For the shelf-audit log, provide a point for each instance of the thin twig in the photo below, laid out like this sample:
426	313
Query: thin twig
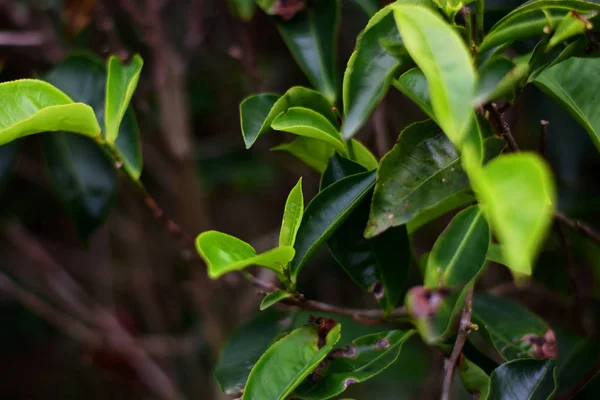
579	226
543	136
464	328
502	128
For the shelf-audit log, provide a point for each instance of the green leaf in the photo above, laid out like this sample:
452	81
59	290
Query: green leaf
243	349
292	216
572	25
243	9
577	96
274	298
311	38
451	7
30	106
363	359
121	82
83	176
475	380
370	7
258	112
590	390
413	84
522	379
441	54
490	74
361	154
223	253
312	152
305	122
83	78
530	19
287	362
325	213
421	176
518	195
509	325
459	252
506	86
578	358
379	265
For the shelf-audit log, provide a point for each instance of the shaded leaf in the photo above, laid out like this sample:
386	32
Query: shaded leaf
518	195
223	253
326	212
413	84
475	380
577	358
363	359
83	176
590	390
441	54
312	152
30	106
121	82
310	36
509	325
274	298
577	96
459	252
292	216
243	349
451	7
288	362
522	379
421	176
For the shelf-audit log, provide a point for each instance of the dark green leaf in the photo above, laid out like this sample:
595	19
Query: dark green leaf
311	37
577	358
578	96
243	349
258	112
511	327
326	212
413	84
83	176
421	173
490	74
364	358
288	362
83	78
590	390
30	106
274	298
522	379
459	252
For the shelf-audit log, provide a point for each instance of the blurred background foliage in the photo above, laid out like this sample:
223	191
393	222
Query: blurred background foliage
202	57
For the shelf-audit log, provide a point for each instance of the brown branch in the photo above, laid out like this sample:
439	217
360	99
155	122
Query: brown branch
501	126
579	226
464	328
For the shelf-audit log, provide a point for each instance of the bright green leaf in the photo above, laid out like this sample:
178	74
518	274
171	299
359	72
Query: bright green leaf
305	122
459	252
421	176
287	362
577	96
518	195
362	155
292	216
361	360
326	212
243	349
413	84
274	298
121	82
441	54
522	379
30	106
311	38
312	152
224	253
475	380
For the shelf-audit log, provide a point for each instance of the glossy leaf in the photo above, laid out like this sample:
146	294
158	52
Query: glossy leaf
258	112
577	96
305	122
243	349
371	68
121	82
292	216
509	325
459	252
287	362
312	152
83	176
475	380
522	379
413	84
379	265
441	54
530	19
421	174
223	253
83	78
518	196
577	357
30	106
274	298
363	359
326	212
311	38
